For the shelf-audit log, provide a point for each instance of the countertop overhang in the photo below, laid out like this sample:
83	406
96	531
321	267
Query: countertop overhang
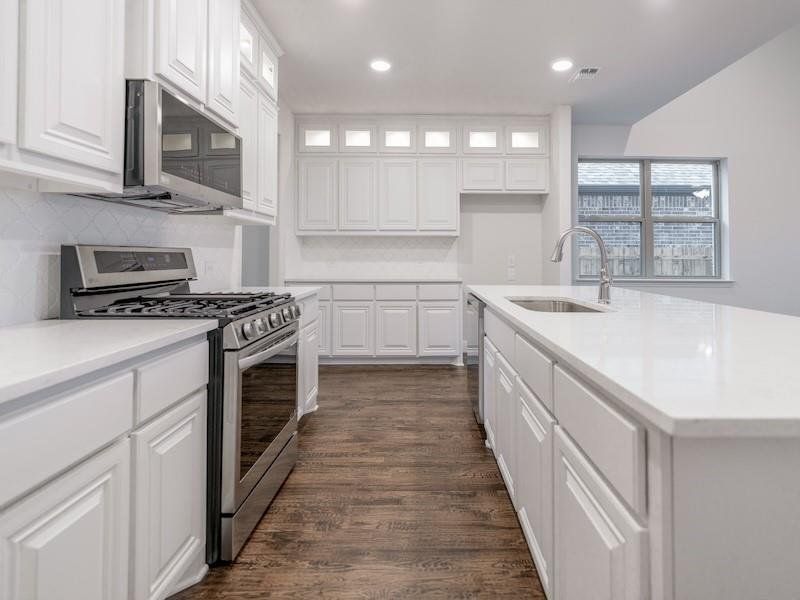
689	368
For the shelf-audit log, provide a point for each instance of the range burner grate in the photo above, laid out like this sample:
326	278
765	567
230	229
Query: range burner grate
216	305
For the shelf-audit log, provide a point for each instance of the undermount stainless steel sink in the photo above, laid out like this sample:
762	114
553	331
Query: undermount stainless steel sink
553	305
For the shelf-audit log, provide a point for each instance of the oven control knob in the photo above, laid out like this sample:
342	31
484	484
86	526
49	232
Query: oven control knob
274	319
248	331
295	311
287	315
261	326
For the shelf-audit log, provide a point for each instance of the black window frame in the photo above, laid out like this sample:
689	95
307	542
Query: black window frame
647	221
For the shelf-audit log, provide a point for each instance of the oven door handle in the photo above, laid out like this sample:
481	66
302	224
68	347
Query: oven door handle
249	361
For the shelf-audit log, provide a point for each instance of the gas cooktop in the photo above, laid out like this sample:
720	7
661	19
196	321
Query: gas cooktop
214	305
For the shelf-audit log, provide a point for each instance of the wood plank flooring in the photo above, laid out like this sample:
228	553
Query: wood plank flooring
394	496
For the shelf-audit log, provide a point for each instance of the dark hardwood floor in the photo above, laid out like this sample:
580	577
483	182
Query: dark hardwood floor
394	496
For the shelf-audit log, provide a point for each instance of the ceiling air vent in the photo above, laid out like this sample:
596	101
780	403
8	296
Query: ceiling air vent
585	74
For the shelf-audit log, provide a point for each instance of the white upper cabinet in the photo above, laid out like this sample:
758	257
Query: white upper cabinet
9	20
398	194
483	139
249	108
438	137
248	44
267	158
437	199
357	137
398	138
358	193
482	174
223	59
527	174
72	84
181	45
531	138
317	193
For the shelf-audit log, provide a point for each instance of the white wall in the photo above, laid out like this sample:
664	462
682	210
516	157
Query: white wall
557	211
749	114
33	227
496	227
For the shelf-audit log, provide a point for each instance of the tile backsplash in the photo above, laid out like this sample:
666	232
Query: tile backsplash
33	227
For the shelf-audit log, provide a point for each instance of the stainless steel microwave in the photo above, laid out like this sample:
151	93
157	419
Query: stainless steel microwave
177	159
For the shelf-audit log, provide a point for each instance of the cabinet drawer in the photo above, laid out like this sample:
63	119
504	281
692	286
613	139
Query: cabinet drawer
439	291
395	291
611	440
501	334
535	369
38	443
170	378
353	292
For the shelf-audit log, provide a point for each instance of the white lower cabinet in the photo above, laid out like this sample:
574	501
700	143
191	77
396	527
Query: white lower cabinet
169	498
353	328
396	328
505	410
534	482
70	538
601	550
308	354
489	402
324	323
439	328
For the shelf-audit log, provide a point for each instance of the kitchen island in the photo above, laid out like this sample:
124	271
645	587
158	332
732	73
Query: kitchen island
650	448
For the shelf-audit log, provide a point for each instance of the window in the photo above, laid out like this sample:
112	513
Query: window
657	218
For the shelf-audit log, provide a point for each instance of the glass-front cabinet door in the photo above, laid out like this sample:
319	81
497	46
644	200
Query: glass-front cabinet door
437	138
317	136
483	139
528	138
398	138
358	137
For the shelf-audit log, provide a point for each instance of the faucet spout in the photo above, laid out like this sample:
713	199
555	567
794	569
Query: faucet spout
604	293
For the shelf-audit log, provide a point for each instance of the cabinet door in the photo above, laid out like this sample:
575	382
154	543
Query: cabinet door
482	174
9	36
71	75
223	63
308	350
600	548
248	129
396	328
324	321
483	139
267	76
248	44
505	401
437	197
438	329
437	137
534	482
398	195
267	157
489	403
70	538
530	138
317	194
169	497
181	45
358	194
527	174
353	324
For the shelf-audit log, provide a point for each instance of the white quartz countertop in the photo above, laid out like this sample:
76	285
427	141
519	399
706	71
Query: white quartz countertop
689	368
371	280
299	292
37	355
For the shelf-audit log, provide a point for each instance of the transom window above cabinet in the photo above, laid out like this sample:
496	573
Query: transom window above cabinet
357	137
482	139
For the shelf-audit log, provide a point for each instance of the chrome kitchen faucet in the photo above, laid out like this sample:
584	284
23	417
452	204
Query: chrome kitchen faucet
604	294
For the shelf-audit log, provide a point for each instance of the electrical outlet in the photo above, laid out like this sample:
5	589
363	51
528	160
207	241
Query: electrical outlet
512	260
208	267
512	274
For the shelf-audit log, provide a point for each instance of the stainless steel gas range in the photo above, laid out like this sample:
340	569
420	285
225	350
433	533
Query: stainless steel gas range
252	390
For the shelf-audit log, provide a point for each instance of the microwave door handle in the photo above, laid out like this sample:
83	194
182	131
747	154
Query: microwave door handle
249	361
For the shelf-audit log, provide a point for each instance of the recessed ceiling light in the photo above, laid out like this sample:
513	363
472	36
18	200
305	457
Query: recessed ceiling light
380	65
562	64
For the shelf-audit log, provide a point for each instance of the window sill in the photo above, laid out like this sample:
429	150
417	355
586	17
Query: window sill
622	282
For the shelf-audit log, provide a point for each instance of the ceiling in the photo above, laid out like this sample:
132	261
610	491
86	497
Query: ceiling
493	56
